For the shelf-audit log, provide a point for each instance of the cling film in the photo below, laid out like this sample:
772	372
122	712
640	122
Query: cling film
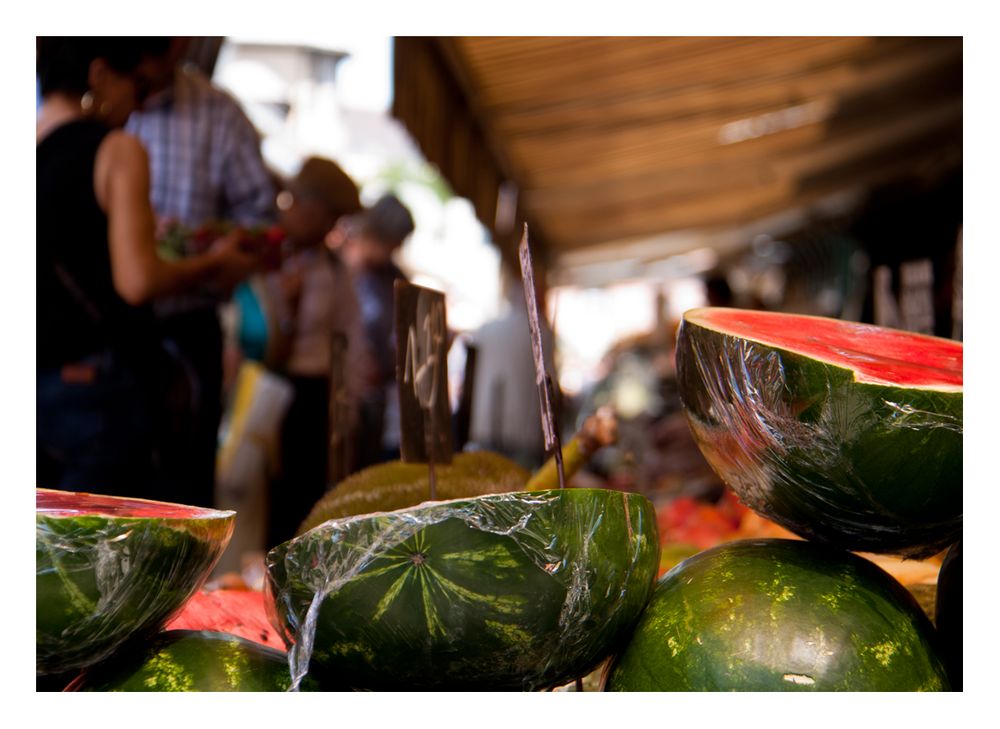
866	465
108	569
520	591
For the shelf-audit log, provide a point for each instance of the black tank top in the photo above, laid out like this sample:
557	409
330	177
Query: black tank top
79	312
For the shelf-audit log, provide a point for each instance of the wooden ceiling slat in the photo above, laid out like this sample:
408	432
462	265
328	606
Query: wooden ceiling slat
871	141
698	178
703	177
620	155
631	220
626	68
734	99
883	146
619	138
519	55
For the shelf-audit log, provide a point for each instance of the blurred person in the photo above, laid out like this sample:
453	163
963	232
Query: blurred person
205	167
505	405
717	290
371	239
316	302
98	363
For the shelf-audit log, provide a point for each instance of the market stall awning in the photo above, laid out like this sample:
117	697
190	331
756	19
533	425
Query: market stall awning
660	144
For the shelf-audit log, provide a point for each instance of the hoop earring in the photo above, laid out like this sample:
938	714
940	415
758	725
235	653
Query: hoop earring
87	101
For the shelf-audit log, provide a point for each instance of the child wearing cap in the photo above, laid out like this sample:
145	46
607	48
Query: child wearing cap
316	302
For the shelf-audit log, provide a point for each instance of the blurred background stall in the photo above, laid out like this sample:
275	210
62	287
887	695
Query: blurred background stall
815	175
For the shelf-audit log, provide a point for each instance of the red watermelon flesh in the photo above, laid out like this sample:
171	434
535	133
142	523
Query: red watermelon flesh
875	354
71	503
239	612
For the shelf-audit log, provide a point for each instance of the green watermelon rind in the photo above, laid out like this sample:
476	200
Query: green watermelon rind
190	660
866	466
513	591
102	579
779	615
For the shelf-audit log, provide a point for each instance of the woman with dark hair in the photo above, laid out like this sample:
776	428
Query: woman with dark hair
97	268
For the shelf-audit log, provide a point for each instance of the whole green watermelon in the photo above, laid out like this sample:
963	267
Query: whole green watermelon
948	613
108	568
191	660
841	432
779	615
523	590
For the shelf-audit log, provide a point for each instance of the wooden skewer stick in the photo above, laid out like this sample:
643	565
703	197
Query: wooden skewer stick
542	378
431	438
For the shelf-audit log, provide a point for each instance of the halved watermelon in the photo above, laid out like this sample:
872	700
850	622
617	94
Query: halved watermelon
524	590
779	615
190	660
108	568
842	432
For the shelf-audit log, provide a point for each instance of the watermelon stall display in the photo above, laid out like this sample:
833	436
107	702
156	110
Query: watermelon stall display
516	591
841	432
109	568
191	660
779	615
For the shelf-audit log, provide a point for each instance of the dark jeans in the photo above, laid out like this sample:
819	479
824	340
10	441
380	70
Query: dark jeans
94	435
305	443
187	431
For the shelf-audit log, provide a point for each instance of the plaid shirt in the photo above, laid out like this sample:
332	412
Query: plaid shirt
205	164
204	155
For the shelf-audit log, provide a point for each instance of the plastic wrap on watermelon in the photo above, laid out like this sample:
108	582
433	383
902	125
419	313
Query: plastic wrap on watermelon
108	569
842	432
518	591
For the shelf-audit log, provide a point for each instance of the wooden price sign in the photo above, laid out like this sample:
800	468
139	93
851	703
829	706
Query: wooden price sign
422	375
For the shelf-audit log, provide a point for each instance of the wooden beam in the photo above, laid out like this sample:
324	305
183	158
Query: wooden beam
731	99
589	226
506	240
853	145
617	158
581	68
865	143
596	225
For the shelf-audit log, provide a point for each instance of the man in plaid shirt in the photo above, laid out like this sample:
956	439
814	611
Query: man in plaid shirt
205	166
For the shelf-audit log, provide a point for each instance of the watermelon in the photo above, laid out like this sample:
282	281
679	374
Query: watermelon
108	568
841	432
779	615
524	590
948	613
190	660
240	612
